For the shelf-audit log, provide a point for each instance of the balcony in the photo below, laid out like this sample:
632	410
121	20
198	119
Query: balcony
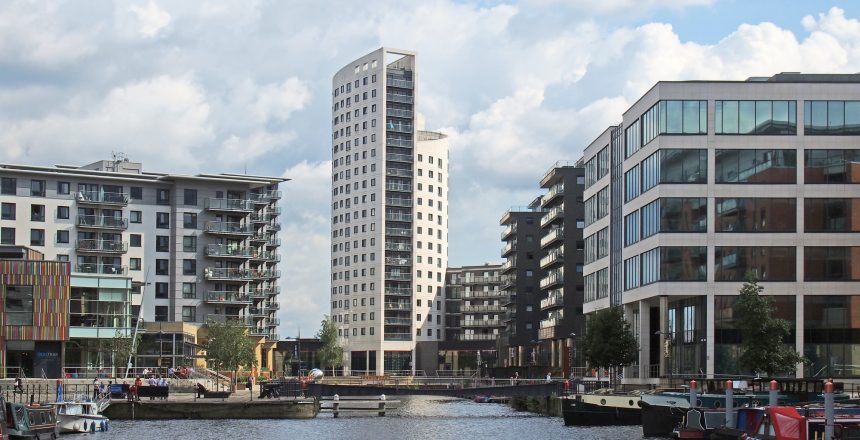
555	191
398	232
553	277
227	228
399	83
101	222
509	248
227	251
402	247
482	280
398	336
264	197
268	256
553	257
395	157
244	320
274	322
264	292
402	187
483	308
273	227
227	297
395	142
553	319
397	97
101	246
398	217
213	204
399	113
554	299
259	238
226	274
551	237
398	291
508	265
394	201
553	214
399	127
548	332
398	321
398	276
508	281
102	269
261	218
259	331
395	261
102	198
398	306
398	172
273	242
482	323
508	231
257	312
483	294
478	337
262	274
273	306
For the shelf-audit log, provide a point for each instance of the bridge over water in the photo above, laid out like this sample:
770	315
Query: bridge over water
504	388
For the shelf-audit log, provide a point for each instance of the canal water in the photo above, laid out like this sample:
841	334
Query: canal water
424	418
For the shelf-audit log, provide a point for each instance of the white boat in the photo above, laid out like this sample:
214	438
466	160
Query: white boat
79	417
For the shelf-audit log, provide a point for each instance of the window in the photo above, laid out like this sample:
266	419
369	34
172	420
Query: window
162	267
767	263
62	236
189	290
134	264
37	188
755	215
755	117
161	290
831	215
7	211
831	117
8	185
189	220
63	188
189	243
631	184
62	212
189	314
135	217
831	166
162	196
674	117
674	166
189	197
7	236
162	243
674	214
756	166
136	193
37	237
189	267
831	263
37	213
19	305
161	313
162	220
135	240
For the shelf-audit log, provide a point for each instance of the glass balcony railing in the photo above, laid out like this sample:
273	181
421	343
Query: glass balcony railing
393	201
554	256
398	336
482	323
106	246
555	298
398	291
399	127
400	83
403	247
398	172
214	204
398	187
551	215
227	296
398	276
227	251
398	232
396	97
104	269
553	277
553	192
552	236
395	157
227	228
244	320
106	198
102	222
398	217
399	113
403	143
224	273
397	306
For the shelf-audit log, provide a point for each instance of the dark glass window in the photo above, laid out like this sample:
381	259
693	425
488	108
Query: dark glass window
7	236
831	117
189	220
162	220
831	215
37	237
674	117
162	196
135	240
189	314
136	193
19	305
675	166
756	166
755	215
161	313
189	243
767	263
7	211
37	188
63	187
832	166
830	339
162	243
135	217
687	263
63	212
37	213
831	263
190	197
8	186
162	267
62	236
161	290
189	267
189	290
755	117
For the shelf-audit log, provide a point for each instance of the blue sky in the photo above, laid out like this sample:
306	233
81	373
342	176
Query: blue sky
230	85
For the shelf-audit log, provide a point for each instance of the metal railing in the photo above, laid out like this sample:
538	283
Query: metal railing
224	273
398	276
398	157
229	228
481	323
393	201
398	305
554	298
109	198
222	250
396	97
405	291
106	269
227	296
93	245
400	83
398	217
552	214
398	172
97	221
398	232
551	236
399	113
395	142
398	247
228	204
245	320
489	308
552	257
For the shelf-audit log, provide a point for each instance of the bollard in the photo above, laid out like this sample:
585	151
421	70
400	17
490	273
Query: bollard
772	393
382	405
730	404
335	406
829	410
693	398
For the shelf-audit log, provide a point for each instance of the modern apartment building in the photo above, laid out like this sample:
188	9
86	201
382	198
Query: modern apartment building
521	283
389	215
561	283
475	310
704	181
197	248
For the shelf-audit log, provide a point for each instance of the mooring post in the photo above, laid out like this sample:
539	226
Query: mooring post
773	393
335	406
382	405
693	398
829	410
730	404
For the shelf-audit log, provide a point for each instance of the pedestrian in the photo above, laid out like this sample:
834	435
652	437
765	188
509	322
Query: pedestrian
96	383
250	384
516	377
137	384
548	377
18	387
59	390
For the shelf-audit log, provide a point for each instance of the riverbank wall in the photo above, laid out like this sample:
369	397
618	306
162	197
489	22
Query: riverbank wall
544	405
201	409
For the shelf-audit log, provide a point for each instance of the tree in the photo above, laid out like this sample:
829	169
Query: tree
122	347
228	347
763	337
331	353
609	342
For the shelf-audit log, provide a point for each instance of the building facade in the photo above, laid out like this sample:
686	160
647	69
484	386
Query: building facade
520	282
196	248
389	215
705	181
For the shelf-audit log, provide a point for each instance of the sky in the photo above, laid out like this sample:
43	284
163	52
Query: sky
245	86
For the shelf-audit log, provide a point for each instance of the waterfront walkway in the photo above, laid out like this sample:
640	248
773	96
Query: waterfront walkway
504	388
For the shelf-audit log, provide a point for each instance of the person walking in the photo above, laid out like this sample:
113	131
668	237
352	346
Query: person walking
96	386
59	390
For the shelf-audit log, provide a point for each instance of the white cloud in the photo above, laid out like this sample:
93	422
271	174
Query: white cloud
151	18
278	101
